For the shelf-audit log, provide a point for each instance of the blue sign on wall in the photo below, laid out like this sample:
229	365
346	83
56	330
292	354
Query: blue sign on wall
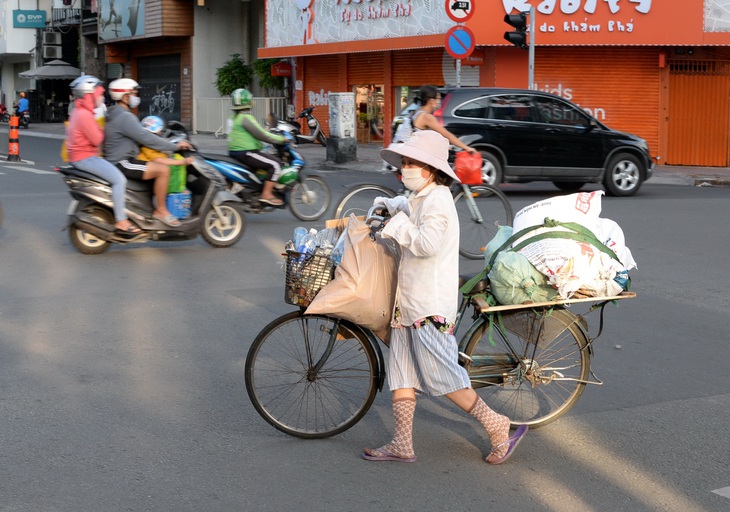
29	19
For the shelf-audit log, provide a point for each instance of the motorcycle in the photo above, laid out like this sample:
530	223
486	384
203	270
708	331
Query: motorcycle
4	113
215	214
23	117
308	197
315	130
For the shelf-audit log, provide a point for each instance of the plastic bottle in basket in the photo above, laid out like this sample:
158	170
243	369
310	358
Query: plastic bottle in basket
308	243
299	234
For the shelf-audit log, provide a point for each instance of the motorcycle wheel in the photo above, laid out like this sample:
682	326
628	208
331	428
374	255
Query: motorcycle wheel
85	242
226	229
322	139
310	198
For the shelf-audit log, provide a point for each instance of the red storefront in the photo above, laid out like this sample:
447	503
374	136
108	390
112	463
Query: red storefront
657	69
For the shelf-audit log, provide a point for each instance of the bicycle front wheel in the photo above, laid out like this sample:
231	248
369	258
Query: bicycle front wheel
480	219
310	198
529	365
359	199
287	390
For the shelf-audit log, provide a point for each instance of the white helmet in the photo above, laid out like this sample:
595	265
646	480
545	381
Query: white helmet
84	85
118	88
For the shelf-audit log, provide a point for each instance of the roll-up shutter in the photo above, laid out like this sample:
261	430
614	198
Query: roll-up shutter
619	86
699	112
320	78
418	67
365	68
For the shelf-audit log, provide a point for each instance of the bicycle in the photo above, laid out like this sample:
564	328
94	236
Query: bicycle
315	376
482	209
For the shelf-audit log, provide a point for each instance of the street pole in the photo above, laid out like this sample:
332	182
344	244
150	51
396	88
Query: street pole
458	73
531	64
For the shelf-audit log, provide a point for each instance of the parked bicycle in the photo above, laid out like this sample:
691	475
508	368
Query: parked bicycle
314	376
481	209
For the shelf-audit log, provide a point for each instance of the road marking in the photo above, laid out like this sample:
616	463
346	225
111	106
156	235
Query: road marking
28	169
724	492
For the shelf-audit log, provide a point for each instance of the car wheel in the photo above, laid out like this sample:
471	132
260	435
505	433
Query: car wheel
491	169
623	175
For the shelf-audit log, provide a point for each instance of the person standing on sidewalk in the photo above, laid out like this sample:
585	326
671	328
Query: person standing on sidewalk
423	351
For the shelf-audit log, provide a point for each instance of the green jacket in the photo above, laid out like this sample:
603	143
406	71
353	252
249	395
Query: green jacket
248	135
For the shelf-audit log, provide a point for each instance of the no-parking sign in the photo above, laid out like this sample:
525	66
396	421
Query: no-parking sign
460	42
460	10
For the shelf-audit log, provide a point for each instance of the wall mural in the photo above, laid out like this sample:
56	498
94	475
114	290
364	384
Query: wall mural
120	19
300	22
717	15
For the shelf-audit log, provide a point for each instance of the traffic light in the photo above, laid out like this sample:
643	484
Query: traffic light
518	37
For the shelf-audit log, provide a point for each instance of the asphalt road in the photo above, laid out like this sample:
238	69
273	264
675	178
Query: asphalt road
121	377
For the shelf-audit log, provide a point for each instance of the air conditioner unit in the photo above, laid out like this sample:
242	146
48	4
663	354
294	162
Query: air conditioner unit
51	38
51	52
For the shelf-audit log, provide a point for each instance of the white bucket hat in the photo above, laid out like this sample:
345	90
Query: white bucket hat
426	146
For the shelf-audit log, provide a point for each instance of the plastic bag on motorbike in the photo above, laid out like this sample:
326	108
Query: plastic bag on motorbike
363	290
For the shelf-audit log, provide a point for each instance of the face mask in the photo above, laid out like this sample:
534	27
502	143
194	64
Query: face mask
134	101
412	178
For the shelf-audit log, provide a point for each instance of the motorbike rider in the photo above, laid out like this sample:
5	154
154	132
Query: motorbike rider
23	104
123	137
245	143
84	137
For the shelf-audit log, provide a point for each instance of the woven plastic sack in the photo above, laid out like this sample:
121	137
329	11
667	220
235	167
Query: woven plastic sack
514	280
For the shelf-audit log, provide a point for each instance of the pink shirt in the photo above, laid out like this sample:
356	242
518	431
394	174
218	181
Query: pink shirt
84	135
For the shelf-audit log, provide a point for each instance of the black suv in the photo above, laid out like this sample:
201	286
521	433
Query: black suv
527	135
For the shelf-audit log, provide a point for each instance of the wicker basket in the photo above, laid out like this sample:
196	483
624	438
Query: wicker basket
306	274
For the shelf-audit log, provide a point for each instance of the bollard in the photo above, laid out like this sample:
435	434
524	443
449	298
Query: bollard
13	142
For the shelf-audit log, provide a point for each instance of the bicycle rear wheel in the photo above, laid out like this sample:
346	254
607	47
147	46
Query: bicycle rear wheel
359	199
478	223
287	393
529	365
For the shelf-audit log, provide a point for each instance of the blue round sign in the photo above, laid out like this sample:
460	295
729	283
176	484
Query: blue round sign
460	42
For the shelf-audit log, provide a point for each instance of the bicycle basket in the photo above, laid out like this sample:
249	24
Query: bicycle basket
306	274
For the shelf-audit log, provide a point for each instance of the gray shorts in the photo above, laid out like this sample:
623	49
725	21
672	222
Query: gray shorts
425	359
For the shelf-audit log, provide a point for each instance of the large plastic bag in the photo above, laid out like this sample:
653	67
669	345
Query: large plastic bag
363	290
514	280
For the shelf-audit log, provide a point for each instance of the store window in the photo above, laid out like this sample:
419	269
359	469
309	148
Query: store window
370	103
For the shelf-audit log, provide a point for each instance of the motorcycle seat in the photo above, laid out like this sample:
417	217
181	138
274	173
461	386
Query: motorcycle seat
136	185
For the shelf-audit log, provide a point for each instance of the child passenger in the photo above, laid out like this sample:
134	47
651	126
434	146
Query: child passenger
156	125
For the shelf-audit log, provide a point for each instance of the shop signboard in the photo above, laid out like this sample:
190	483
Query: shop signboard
29	19
312	27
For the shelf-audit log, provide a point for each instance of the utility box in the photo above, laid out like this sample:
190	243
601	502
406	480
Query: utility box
342	114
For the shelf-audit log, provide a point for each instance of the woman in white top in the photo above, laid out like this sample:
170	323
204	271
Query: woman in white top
423	351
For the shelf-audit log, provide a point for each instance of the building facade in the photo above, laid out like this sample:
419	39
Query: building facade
660	70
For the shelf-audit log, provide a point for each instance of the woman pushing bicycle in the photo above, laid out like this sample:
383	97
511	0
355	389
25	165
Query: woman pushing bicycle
423	350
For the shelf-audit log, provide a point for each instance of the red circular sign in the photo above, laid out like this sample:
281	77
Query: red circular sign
460	42
460	10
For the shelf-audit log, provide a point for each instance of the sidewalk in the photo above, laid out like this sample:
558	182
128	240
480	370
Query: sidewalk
368	158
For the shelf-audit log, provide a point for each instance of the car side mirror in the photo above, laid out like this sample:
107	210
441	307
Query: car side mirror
592	124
